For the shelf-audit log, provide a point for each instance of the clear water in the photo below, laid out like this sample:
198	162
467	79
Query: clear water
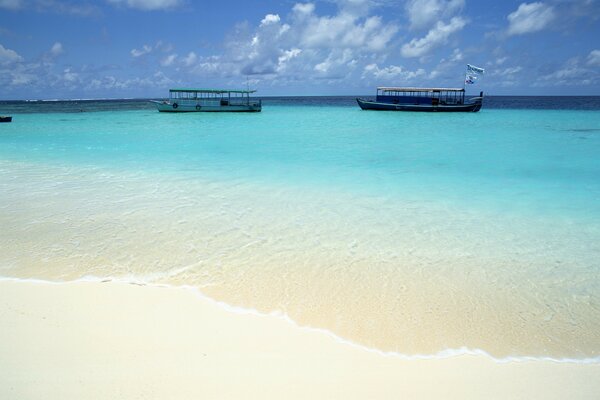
406	232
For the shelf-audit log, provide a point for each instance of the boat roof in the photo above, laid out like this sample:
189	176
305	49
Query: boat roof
416	89
189	90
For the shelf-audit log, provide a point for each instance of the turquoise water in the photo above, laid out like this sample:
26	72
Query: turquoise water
406	232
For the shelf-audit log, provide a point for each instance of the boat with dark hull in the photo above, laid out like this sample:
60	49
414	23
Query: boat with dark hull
422	99
208	100
5	119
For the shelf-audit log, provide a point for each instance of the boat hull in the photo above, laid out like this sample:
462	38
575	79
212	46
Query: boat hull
373	105
5	119
198	107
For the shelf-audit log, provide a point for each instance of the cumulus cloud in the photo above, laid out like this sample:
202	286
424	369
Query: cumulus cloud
437	36
270	19
530	17
148	5
301	9
425	13
594	58
304	45
8	56
345	30
392	72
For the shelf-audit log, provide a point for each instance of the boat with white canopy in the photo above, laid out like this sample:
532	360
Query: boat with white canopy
209	100
427	98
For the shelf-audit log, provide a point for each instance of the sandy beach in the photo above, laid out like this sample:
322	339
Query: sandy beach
106	340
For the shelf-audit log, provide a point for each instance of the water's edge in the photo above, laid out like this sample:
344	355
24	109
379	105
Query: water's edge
442	354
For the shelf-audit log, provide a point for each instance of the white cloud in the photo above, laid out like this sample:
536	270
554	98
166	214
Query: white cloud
456	56
424	13
57	49
270	19
392	72
594	58
306	46
336	63
301	9
530	17
111	83
144	50
345	30
70	76
148	5
8	56
285	57
168	60
437	36
569	72
572	73
190	59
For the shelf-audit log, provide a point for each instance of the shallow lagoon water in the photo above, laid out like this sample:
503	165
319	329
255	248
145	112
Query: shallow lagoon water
405	232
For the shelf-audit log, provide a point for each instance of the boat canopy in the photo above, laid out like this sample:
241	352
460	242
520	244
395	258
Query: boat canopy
415	89
217	91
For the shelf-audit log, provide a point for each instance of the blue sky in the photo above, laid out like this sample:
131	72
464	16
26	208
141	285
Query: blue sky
140	48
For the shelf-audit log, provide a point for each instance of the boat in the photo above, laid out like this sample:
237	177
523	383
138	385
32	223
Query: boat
427	99
422	99
5	119
209	100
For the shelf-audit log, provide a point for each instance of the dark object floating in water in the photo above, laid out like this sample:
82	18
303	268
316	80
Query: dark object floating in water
5	119
585	130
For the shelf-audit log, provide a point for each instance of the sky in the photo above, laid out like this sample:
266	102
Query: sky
51	49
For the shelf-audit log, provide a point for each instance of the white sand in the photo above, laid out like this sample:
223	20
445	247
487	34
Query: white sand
119	341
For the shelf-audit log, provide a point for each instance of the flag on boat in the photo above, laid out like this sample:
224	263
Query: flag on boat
472	74
470	79
474	70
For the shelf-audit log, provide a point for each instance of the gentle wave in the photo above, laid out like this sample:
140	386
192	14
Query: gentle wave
442	354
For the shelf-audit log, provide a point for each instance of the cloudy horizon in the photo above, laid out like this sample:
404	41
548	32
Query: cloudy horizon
140	48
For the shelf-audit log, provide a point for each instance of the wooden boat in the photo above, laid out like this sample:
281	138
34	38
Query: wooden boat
422	99
209	100
5	119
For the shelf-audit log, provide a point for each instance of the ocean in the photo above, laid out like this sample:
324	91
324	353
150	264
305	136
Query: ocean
411	233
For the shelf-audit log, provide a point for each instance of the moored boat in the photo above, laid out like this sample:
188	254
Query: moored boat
5	118
422	99
209	100
427	99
